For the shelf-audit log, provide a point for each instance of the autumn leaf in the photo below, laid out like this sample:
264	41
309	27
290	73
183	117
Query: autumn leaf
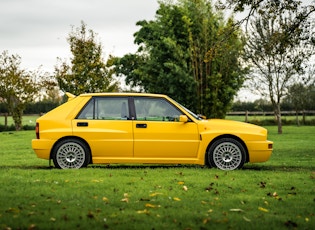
246	219
176	199
125	200
263	209
236	210
145	211
148	205
262	184
13	210
155	194
206	220
105	199
180	182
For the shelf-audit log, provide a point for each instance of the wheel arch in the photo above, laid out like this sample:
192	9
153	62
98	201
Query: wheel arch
227	136
72	137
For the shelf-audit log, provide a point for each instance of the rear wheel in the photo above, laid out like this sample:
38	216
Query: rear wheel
226	154
71	153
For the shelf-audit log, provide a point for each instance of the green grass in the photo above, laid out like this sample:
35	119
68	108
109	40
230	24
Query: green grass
278	194
270	120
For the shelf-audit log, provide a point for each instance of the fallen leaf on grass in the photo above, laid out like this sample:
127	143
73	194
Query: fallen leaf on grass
13	210
180	182
125	200
236	210
105	199
263	209
262	184
290	223
145	211
155	194
148	205
176	199
206	220
246	219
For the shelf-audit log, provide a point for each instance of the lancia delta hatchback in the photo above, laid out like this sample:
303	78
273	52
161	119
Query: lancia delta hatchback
118	128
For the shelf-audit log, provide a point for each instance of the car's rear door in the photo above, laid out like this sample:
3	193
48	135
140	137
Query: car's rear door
159	135
104	123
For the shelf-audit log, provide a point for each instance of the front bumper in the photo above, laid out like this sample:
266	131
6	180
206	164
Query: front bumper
259	151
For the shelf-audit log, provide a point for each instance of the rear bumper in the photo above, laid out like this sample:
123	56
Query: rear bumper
42	147
259	151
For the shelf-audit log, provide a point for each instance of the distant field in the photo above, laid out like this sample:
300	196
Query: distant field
270	120
27	120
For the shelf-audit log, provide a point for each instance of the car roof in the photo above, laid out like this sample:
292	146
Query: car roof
122	94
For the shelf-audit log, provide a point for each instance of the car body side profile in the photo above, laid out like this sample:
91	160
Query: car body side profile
118	128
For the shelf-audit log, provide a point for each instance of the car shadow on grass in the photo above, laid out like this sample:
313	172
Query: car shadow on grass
247	167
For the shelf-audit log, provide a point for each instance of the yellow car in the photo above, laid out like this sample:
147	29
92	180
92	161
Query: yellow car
108	128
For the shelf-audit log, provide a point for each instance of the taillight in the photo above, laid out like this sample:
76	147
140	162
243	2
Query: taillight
37	130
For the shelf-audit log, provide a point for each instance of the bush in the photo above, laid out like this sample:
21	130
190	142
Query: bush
4	128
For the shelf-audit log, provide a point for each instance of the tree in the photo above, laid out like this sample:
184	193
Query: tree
251	8
87	72
17	86
186	54
278	51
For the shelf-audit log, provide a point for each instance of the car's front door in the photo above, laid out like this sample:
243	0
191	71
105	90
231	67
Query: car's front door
158	134
104	123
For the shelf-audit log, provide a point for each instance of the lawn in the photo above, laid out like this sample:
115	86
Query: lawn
278	194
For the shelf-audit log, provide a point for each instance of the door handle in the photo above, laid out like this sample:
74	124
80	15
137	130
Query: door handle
143	126
82	124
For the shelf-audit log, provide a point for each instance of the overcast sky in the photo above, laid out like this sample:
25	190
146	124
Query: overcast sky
37	30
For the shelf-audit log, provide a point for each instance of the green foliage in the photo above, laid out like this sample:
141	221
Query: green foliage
279	45
189	53
87	73
261	196
17	87
301	97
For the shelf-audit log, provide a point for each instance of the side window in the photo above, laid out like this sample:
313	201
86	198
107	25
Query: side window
106	108
155	109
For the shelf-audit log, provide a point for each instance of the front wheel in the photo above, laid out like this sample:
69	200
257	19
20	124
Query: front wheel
71	153
226	154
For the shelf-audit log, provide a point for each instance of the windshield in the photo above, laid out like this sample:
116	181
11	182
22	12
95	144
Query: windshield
191	113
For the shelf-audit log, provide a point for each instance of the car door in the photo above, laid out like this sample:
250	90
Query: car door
104	123
158	134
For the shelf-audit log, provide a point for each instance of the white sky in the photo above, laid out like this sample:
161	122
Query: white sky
37	30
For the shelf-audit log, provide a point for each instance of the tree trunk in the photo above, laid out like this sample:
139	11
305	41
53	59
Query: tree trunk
17	118
278	116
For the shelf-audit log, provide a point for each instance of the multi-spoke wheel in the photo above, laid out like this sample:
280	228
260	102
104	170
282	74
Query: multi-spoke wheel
226	154
71	153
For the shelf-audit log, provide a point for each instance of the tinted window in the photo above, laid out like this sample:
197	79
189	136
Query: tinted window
106	108
155	109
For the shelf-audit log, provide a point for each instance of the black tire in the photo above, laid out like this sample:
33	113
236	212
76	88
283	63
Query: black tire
226	154
71	153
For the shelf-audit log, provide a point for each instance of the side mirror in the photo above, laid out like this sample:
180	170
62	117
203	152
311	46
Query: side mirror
183	118
202	116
